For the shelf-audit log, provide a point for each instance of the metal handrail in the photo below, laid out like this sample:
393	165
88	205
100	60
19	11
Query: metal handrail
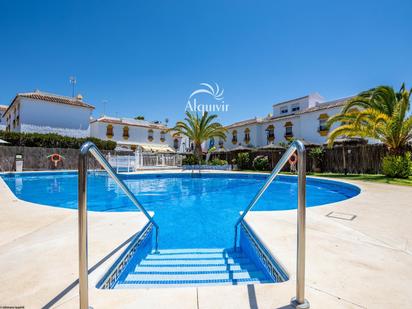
299	301
86	148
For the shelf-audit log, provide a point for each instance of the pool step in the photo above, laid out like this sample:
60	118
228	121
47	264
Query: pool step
192	267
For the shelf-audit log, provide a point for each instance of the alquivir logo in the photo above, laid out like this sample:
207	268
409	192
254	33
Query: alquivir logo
208	98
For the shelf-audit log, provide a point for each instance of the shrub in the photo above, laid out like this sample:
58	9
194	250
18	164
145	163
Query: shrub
243	160
191	159
217	161
397	166
316	154
52	140
261	163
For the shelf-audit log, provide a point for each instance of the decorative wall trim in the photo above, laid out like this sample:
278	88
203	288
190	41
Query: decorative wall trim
268	261
109	280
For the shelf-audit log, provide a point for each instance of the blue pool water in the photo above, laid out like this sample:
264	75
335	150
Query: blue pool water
191	212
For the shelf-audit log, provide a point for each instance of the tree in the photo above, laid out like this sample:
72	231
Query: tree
139	118
379	113
199	129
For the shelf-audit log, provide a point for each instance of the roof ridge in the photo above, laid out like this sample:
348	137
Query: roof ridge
44	93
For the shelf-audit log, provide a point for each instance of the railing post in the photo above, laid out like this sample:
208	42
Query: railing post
83	265
299	301
82	200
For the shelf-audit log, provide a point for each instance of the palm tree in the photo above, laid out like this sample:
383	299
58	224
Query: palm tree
379	113
199	129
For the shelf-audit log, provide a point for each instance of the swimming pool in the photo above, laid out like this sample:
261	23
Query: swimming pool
196	214
192	212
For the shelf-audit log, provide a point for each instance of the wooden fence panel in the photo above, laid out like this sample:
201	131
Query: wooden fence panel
354	159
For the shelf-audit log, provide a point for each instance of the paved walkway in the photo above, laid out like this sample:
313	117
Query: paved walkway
363	263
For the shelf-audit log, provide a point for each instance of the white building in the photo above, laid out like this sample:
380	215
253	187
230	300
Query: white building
3	108
302	118
131	133
42	112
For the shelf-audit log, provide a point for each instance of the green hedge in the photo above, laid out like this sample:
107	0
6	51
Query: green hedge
397	166
217	161
52	140
243	160
261	163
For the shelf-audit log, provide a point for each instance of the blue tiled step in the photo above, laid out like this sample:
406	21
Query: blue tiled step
197	255
194	272
192	267
196	261
196	276
189	268
163	283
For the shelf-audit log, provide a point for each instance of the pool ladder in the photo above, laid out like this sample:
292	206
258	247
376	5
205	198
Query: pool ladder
85	149
297	146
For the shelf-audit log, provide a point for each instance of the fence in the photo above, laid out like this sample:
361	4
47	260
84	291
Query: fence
356	159
38	158
143	160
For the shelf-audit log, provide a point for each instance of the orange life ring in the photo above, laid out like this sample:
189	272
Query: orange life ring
292	160
56	158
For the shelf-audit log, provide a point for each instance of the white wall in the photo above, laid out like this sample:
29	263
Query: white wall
309	101
310	124
2	122
254	136
304	126
137	134
48	117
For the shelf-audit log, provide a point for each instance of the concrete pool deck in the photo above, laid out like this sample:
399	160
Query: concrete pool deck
361	263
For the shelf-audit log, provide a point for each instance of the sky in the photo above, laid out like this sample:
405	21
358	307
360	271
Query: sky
145	58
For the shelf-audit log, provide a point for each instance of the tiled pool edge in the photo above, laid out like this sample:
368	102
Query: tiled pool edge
248	241
257	251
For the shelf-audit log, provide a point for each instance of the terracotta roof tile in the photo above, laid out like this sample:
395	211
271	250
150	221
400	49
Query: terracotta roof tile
50	97
242	123
130	122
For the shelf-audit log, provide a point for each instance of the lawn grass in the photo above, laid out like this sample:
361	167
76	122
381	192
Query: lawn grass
368	178
362	177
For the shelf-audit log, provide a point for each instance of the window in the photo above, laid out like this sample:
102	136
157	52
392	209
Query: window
323	128
234	137
288	130
270	134
247	136
220	143
322	125
150	135
176	144
162	136
284	110
295	108
126	132
109	131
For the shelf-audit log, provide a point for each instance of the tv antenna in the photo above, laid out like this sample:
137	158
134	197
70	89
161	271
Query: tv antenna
104	107
73	82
